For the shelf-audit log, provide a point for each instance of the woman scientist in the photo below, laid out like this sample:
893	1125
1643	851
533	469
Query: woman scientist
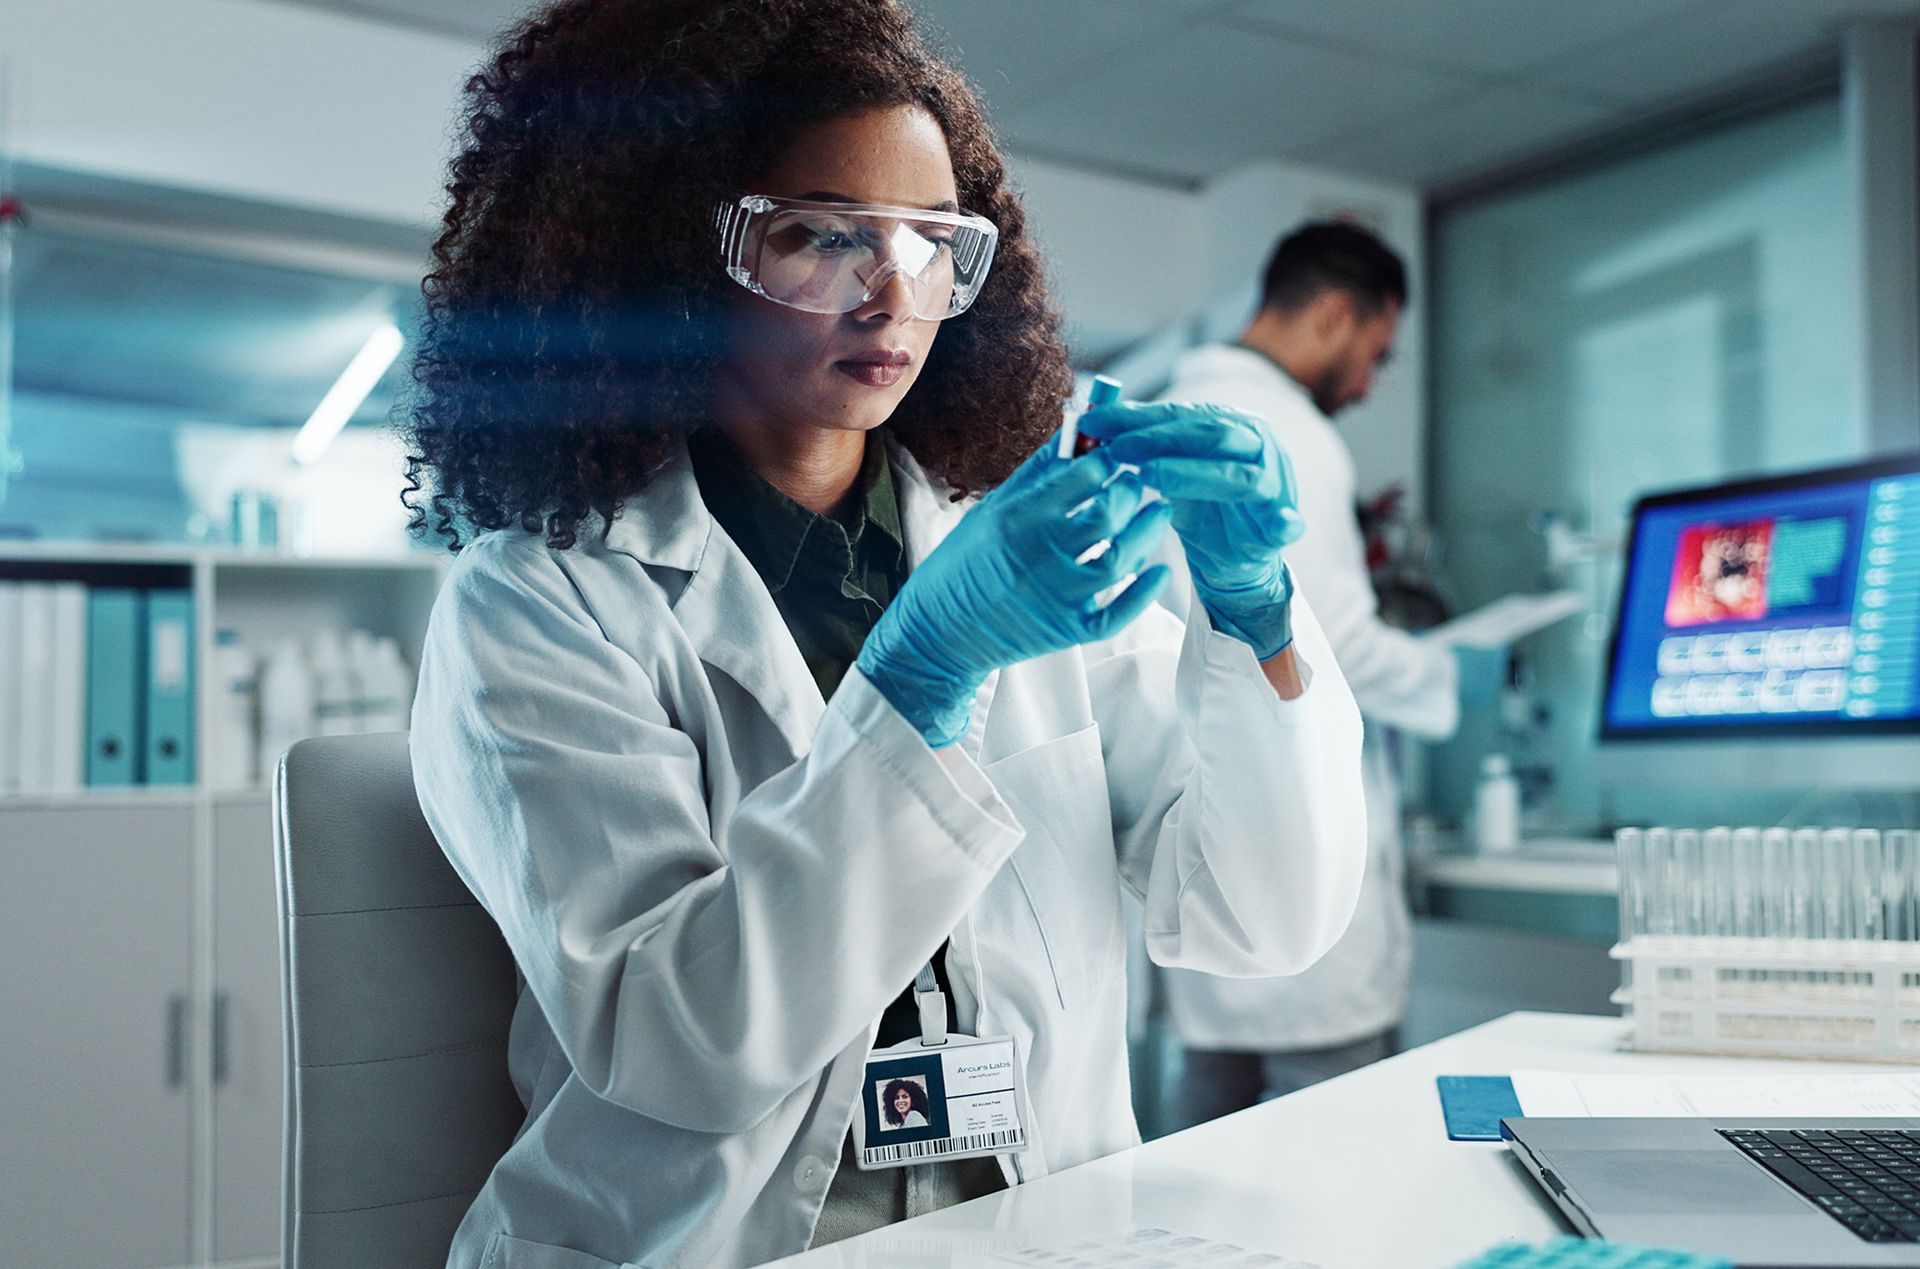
768	701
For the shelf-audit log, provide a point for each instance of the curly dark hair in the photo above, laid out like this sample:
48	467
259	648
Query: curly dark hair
573	306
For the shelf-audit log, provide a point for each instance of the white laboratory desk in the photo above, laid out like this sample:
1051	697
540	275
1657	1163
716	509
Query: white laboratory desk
1356	1173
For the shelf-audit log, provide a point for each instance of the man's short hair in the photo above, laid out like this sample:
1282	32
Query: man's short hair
1331	255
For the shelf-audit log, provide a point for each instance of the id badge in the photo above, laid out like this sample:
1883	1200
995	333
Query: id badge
924	1103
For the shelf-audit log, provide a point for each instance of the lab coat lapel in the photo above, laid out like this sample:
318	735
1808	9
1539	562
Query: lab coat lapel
725	610
733	621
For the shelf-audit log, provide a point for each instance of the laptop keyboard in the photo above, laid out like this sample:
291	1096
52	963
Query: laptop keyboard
1867	1179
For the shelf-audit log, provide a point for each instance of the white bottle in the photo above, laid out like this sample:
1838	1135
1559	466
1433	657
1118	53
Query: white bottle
286	704
389	688
1496	806
236	732
336	697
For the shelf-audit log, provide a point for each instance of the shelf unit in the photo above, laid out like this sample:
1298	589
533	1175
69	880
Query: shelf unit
163	1035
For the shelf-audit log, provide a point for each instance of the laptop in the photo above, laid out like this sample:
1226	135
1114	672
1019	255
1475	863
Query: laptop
1763	1193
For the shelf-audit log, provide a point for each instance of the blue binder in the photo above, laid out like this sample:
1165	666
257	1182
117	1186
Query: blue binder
115	688
169	694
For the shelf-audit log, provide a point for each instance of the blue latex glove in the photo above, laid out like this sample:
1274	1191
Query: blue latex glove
1234	506
1005	586
1482	672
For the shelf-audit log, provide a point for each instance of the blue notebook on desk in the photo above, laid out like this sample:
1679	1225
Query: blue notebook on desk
1475	1104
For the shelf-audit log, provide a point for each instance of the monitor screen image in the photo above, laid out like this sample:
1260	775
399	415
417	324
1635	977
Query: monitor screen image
1789	605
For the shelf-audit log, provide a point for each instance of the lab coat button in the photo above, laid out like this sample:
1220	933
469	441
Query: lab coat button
811	1175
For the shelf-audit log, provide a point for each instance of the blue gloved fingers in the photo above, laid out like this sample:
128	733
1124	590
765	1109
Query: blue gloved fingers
1140	537
1070	482
1131	547
1106	622
1036	464
1103	513
1210	479
1289	524
1226	437
1121	417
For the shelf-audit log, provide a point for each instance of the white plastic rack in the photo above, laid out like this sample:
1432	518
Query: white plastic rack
1773	997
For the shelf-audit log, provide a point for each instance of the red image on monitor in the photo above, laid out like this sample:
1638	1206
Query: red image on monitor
1720	573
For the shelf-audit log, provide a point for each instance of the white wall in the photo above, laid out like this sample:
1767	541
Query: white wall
255	100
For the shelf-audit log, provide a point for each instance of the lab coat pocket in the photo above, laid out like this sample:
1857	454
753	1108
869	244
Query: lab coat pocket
506	1252
1058	792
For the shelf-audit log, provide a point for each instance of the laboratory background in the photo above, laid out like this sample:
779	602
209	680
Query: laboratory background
1647	440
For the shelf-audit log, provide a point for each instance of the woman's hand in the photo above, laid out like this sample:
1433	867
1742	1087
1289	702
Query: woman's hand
1007	585
1234	506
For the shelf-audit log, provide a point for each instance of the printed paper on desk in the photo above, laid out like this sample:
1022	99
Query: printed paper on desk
1553	1094
1508	619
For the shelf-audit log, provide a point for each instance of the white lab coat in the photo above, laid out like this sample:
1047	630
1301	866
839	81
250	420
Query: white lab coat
713	882
1358	989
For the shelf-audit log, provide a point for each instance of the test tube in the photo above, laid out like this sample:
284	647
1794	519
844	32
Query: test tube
1836	883
1630	848
1690	868
1869	877
1776	884
1747	889
1718	882
1661	891
1803	896
1903	874
1104	391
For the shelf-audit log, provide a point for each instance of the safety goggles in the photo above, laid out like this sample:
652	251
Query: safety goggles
834	257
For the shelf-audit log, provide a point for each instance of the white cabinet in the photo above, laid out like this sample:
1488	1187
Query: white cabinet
244	1060
96	1044
140	1033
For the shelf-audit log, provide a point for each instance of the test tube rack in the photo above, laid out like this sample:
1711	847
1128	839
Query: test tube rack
1772	997
1775	943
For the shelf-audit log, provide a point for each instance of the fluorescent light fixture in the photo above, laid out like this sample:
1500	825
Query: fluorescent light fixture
343	399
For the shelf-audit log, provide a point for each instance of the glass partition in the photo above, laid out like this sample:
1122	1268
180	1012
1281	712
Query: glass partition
1673	318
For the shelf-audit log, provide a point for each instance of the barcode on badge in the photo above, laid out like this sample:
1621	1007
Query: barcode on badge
995	1141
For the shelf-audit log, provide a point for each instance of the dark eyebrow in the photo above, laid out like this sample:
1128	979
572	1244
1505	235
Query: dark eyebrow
831	196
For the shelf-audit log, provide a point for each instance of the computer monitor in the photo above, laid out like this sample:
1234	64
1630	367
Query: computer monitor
1787	606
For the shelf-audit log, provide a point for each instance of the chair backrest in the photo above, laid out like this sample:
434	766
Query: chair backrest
399	994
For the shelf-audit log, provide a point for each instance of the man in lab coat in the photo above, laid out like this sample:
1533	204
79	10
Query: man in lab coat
1330	304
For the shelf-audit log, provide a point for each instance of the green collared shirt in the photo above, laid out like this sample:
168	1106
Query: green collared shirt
830	577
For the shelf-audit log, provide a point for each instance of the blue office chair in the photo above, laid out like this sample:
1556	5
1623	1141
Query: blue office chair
399	993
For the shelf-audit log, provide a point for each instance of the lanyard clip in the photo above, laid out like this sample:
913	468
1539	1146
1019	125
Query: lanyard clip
933	1007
